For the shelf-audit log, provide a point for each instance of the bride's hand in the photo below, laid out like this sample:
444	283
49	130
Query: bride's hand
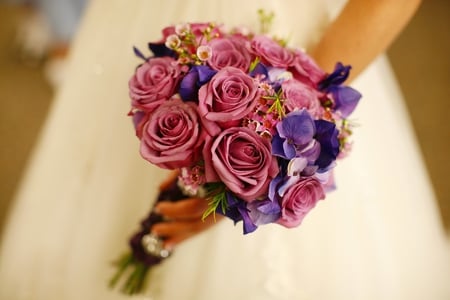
184	218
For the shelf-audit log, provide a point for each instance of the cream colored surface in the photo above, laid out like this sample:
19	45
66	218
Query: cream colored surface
376	237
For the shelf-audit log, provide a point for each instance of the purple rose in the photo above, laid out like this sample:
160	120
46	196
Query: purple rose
306	70
299	95
298	200
271	52
172	137
153	83
242	160
229	52
227	98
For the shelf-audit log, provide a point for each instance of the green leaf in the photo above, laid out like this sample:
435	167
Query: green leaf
254	64
219	199
213	188
277	105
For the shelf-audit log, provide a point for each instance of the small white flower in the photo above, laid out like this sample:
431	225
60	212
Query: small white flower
204	53
173	41
285	76
279	74
296	166
182	29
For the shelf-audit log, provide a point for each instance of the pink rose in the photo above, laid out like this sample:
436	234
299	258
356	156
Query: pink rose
228	97
299	95
306	70
172	137
271	52
154	82
140	118
230	52
298	200
242	160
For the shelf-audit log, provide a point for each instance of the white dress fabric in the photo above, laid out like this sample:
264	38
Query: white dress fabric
378	236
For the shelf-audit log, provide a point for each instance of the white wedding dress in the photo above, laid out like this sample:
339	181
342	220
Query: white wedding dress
378	236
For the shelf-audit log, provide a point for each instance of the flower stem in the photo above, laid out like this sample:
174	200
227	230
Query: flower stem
136	279
125	261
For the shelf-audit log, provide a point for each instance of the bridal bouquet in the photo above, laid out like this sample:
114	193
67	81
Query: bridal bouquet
253	126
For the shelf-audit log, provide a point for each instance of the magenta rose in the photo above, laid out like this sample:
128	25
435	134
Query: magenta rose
242	160
229	52
298	200
271	52
154	82
172	137
299	95
306	70
227	98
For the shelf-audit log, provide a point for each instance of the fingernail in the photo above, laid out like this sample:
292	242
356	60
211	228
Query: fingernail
168	247
157	210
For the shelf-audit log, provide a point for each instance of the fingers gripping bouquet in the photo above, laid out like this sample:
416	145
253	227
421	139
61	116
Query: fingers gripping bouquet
253	126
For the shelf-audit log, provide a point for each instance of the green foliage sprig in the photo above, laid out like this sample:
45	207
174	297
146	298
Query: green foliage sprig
216	193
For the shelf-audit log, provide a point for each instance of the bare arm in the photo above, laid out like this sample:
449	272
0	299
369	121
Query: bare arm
363	30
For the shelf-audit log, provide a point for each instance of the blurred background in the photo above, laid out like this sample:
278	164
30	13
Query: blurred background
32	65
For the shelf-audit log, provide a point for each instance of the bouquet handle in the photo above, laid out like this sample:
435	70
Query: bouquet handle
146	249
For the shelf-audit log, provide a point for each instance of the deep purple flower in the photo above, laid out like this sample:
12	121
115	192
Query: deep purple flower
260	69
294	133
194	79
345	98
237	211
160	50
339	75
264	211
138	53
327	136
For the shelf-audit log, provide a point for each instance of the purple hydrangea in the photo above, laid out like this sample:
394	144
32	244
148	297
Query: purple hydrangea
294	134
